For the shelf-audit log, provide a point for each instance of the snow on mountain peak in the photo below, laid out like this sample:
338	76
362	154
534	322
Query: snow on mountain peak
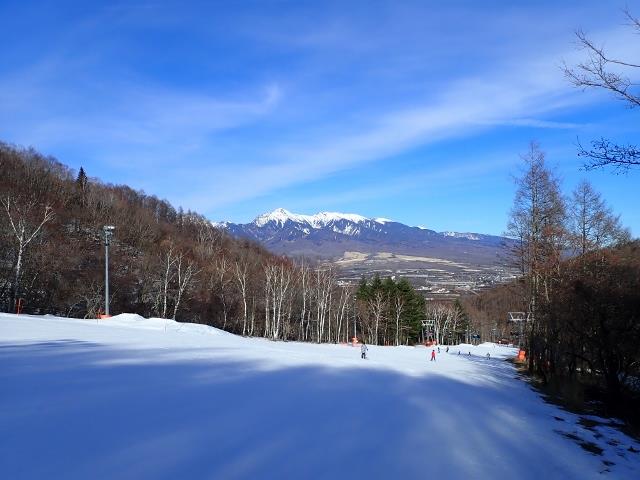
279	216
323	218
319	220
295	226
306	223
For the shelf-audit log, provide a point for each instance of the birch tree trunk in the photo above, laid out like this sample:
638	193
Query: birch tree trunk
241	279
18	219
185	278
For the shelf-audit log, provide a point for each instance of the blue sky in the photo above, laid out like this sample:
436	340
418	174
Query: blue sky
414	111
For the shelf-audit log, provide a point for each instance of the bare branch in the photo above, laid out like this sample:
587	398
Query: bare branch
598	52
595	72
604	153
7	207
633	21
48	215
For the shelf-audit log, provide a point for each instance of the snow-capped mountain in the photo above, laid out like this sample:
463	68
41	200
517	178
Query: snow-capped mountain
281	216
331	234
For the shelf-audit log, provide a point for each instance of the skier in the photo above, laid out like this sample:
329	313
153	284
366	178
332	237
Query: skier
447	350
438	349
488	355
363	350
433	355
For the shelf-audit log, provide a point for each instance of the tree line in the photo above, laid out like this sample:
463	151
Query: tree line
580	271
579	284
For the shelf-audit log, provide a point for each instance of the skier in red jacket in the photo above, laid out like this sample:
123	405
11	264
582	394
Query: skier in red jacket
433	355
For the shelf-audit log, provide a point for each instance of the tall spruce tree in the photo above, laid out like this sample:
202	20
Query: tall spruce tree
82	183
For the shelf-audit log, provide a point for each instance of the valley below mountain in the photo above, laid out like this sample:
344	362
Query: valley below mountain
440	264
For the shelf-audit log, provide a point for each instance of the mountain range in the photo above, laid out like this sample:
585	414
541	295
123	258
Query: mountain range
332	236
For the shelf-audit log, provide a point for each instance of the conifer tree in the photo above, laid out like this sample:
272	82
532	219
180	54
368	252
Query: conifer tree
82	183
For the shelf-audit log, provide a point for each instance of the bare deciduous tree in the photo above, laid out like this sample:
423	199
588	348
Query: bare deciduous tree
377	307
24	231
240	270
220	281
185	273
342	312
591	222
277	282
167	276
537	222
398	307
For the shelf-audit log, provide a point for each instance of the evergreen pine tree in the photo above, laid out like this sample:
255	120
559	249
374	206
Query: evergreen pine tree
81	184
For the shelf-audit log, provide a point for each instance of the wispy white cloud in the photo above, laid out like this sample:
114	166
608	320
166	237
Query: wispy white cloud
307	119
520	94
536	123
461	174
131	115
465	108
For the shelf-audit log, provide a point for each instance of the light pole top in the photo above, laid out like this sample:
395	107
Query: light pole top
108	233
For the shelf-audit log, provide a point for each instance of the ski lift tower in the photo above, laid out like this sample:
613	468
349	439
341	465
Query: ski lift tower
428	329
519	319
494	333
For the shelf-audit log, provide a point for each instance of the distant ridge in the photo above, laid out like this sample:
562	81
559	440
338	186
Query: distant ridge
328	235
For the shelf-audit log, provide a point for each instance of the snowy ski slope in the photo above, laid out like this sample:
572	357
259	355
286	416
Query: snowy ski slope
136	398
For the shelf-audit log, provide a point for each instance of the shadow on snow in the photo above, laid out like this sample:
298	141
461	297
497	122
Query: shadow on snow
71	409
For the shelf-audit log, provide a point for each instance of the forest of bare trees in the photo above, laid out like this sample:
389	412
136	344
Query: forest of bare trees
579	284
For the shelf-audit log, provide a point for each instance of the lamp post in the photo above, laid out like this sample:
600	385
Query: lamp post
108	233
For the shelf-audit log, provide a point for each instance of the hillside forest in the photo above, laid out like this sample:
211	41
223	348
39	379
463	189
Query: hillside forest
165	262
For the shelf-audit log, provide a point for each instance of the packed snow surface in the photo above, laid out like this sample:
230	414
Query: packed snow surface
135	398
